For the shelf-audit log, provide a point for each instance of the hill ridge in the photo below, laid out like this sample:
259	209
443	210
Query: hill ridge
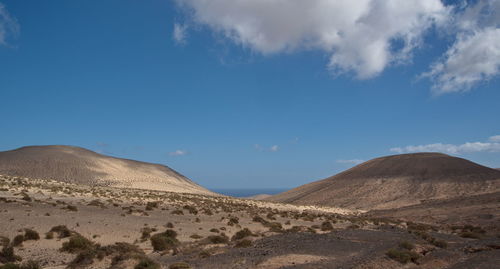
79	165
395	181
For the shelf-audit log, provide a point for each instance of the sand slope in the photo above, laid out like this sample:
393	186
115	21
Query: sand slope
77	165
396	181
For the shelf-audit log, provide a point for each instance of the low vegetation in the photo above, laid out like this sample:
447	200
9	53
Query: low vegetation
179	265
164	241
30	234
402	255
242	234
77	243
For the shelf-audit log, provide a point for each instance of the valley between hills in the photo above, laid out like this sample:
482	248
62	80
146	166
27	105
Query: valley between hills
403	211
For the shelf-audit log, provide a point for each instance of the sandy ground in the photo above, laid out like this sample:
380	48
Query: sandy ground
281	235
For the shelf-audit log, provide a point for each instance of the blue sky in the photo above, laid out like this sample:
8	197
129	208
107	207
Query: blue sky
233	108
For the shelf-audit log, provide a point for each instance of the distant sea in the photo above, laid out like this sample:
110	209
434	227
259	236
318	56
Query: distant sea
248	192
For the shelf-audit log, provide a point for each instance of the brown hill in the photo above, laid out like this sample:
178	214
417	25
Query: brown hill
82	166
396	181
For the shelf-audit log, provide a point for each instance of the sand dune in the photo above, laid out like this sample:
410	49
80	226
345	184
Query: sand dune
77	165
396	181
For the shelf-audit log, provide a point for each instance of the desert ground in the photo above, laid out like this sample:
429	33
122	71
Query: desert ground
50	224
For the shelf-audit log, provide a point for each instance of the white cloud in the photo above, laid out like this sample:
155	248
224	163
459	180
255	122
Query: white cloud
475	55
178	152
495	138
353	161
180	34
273	148
363	36
468	147
8	25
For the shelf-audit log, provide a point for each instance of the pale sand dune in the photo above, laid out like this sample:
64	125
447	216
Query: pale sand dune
81	166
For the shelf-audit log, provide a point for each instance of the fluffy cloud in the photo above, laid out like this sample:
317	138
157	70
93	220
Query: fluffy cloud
353	161
363	36
8	25
468	147
179	34
178	152
274	148
475	55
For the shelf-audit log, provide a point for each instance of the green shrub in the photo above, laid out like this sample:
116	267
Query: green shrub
326	226
146	263
18	240
77	243
402	256
151	205
468	234
177	212
30	234
31	265
233	220
218	239
259	219
241	234
85	257
179	265
191	209
274	227
4	241
72	208
245	243
10	266
146	233
440	243
61	230
7	255
49	235
164	241
196	236
205	254
406	245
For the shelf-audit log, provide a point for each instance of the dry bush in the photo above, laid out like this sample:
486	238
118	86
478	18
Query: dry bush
179	265
245	243
18	240
164	241
62	231
218	239
242	234
326	226
30	234
77	243
402	255
146	263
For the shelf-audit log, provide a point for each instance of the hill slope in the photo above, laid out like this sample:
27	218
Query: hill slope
82	166
396	181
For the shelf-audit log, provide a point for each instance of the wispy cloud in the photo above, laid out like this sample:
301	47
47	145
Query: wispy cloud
8	25
468	147
273	148
180	33
103	148
353	161
495	138
178	152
